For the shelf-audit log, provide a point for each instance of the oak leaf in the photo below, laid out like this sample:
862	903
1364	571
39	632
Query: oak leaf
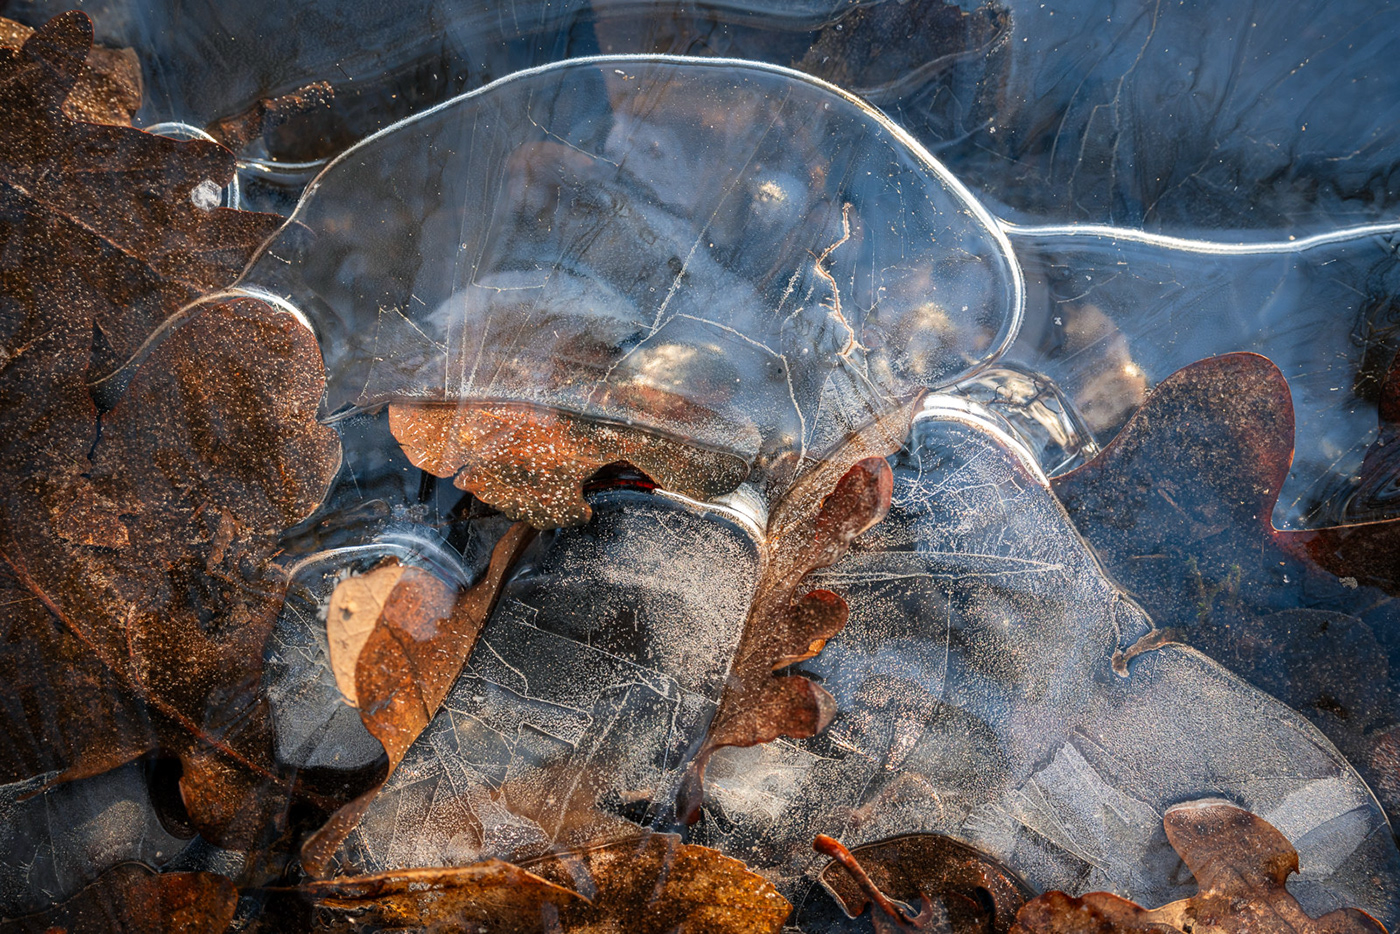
531	462
826	508
646	885
965	888
1240	862
410	659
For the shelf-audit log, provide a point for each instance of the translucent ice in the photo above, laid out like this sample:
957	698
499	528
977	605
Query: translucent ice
701	247
987	692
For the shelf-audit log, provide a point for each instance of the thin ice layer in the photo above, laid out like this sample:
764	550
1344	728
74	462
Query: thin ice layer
701	247
979	698
588	692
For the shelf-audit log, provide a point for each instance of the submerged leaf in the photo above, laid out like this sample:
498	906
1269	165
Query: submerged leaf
531	462
811	528
1240	862
1179	507
108	89
490	895
646	885
970	890
420	641
131	899
353	613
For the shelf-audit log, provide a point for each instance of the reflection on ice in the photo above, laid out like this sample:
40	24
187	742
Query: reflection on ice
987	691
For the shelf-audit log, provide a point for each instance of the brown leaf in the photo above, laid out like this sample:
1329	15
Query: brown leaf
490	895
971	891
108	88
1240	862
846	493
110	202
656	885
269	113
1178	508
649	885
530	462
140	565
351	616
131	899
409	662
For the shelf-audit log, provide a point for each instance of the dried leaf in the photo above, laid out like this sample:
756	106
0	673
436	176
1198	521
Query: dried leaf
1240	862
269	113
846	493
490	895
140	563
354	611
969	890
407	665
656	885
648	885
530	462
108	89
1178	507
131	899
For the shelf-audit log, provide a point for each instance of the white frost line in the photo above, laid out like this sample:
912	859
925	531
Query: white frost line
1190	245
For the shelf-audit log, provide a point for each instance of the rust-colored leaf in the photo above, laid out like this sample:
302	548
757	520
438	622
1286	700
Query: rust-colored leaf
1240	862
409	661
964	889
646	885
843	495
490	895
107	89
131	899
656	884
138	558
530	462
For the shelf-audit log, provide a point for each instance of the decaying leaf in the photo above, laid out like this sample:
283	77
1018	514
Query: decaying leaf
269	113
964	888
354	611
490	895
646	885
131	899
139	565
1240	862
107	90
846	493
530	462
409	661
1179	507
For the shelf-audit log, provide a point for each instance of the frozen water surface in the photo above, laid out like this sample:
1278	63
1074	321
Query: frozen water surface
706	248
986	693
1042	207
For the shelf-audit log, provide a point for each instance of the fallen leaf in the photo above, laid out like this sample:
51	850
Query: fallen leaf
107	90
846	493
969	890
139	556
1240	862
645	885
269	113
531	462
354	610
490	895
656	885
1179	507
131	899
409	661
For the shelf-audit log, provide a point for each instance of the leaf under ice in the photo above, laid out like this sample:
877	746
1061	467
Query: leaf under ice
1240	863
985	692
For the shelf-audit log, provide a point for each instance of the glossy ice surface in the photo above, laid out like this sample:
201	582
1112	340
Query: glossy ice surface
750	228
